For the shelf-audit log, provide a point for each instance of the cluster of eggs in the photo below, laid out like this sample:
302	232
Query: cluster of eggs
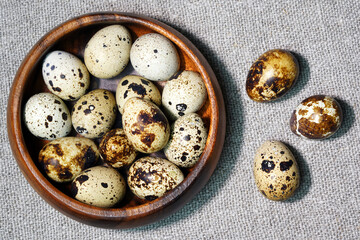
175	128
272	75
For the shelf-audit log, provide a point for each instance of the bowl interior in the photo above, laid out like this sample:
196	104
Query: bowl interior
72	37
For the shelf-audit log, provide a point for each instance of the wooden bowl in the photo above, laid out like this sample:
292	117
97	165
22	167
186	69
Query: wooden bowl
72	37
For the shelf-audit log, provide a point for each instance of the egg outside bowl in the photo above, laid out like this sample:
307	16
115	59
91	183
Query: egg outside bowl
72	37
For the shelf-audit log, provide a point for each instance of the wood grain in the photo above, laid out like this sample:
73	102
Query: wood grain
72	37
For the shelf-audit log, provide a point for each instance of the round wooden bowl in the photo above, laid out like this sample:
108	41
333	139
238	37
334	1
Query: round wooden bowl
72	37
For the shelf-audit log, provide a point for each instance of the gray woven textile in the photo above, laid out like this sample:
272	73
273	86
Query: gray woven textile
231	35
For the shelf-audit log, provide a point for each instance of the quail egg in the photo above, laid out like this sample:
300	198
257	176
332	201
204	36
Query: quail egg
136	86
154	57
47	117
276	171
151	177
145	125
116	150
272	75
94	113
65	75
108	51
99	186
317	117
185	93
187	141
64	158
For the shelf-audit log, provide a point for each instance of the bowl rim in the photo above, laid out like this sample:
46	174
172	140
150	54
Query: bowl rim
60	200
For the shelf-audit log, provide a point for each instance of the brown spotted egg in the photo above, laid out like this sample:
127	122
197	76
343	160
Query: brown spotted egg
276	171
145	125
94	113
154	57
65	75
47	117
187	140
64	158
272	75
136	86
116	150
151	177
99	186
185	93
317	117
108	51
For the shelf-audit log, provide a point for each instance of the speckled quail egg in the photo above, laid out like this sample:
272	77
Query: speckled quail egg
154	57
136	86
108	51
47	117
151	177
317	117
99	186
272	75
116	150
145	125
186	93
65	75
187	140
94	113
276	171
64	158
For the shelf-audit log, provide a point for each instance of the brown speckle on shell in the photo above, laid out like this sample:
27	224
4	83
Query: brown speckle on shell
279	178
90	109
272	75
317	117
150	177
64	158
116	150
187	141
135	86
145	125
99	186
184	94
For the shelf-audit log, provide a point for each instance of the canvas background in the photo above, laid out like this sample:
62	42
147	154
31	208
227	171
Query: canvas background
231	35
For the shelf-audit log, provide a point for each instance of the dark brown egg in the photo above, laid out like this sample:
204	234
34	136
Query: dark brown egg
272	75
317	117
116	150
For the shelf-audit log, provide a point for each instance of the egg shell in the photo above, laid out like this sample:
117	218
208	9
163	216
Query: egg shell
116	150
187	141
154	57
94	114
145	125
317	117
108	51
185	93
151	177
47	117
64	158
65	75
136	86
276	171
272	75
99	186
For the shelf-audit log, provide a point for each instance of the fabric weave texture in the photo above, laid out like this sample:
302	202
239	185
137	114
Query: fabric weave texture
324	35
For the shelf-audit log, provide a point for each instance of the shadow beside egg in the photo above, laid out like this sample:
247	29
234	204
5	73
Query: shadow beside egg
233	142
